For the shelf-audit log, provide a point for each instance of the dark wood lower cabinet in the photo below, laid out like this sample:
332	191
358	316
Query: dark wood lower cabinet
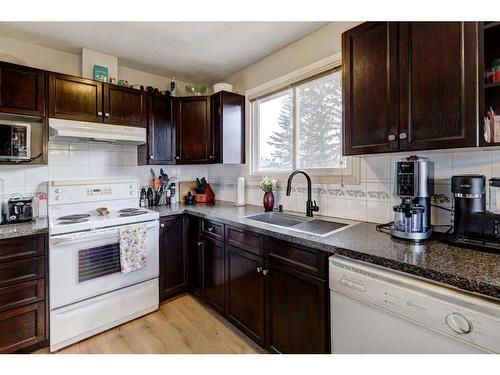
24	320
172	257
214	283
22	327
297	311
194	256
245	288
274	291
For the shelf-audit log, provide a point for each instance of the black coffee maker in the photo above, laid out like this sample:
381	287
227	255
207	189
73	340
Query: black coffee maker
473	224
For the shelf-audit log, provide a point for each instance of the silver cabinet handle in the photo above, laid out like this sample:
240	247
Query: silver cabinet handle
210	156
265	272
162	225
210	229
177	157
200	243
391	137
99	113
403	135
259	269
106	114
151	157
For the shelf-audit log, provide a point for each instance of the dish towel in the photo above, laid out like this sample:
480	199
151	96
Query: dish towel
132	248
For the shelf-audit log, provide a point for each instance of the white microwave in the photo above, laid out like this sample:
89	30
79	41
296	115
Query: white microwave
15	140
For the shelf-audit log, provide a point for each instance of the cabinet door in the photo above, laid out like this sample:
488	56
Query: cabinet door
22	327
22	90
297	320
370	88
194	254
193	130
124	106
160	148
75	98
438	83
172	257
214	289
245	292
228	128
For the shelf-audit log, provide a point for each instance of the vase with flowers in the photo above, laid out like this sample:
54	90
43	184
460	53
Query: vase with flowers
267	188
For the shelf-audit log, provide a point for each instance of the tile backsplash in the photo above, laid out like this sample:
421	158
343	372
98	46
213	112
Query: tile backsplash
373	198
68	161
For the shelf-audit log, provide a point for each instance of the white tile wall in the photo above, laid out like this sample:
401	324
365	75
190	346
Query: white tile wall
373	198
81	161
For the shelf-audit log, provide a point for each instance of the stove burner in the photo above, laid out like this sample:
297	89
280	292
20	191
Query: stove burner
132	213
134	209
74	217
73	221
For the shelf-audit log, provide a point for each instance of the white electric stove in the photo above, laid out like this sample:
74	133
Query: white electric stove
88	291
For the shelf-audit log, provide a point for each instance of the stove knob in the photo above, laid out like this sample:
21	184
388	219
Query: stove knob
59	197
59	190
132	192
131	186
458	323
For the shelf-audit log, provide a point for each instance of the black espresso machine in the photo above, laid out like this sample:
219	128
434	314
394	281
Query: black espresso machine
473	225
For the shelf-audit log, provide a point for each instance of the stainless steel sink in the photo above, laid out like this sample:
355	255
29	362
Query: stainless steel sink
275	218
317	227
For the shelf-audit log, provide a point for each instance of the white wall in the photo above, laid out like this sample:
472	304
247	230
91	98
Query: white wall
24	53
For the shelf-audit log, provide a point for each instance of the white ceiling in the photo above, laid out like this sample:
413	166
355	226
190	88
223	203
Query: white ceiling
194	51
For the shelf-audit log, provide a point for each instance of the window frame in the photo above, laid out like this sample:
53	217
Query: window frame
350	174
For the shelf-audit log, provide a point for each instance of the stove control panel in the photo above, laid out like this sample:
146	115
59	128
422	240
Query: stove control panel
98	192
84	191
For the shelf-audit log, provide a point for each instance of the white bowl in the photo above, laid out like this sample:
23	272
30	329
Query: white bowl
223	87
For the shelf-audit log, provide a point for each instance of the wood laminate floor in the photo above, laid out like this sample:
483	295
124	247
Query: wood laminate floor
182	325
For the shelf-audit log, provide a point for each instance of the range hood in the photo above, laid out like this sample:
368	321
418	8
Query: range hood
79	131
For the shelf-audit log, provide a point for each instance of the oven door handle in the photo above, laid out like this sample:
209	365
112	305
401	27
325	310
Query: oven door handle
94	234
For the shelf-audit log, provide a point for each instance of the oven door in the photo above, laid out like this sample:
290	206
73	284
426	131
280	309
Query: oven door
87	264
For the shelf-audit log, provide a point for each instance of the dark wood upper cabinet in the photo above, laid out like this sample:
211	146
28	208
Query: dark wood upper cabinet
124	106
172	257
75	98
438	83
160	147
214	288
369	83
22	90
228	128
245	290
410	86
194	144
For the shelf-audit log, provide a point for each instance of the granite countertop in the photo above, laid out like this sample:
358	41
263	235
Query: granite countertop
470	270
36	226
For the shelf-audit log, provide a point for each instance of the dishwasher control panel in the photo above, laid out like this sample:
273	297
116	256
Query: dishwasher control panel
463	316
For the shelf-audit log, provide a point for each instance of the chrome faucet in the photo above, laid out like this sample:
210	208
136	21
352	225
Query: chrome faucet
310	206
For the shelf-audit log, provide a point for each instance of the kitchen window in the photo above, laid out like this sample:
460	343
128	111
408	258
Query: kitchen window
300	127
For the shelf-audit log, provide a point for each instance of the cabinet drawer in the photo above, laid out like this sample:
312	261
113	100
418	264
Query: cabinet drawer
213	229
22	247
242	239
21	270
22	294
308	260
22	327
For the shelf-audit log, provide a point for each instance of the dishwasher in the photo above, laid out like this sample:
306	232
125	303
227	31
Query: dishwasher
376	310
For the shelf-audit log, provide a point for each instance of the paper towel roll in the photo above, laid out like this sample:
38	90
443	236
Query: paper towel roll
241	191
